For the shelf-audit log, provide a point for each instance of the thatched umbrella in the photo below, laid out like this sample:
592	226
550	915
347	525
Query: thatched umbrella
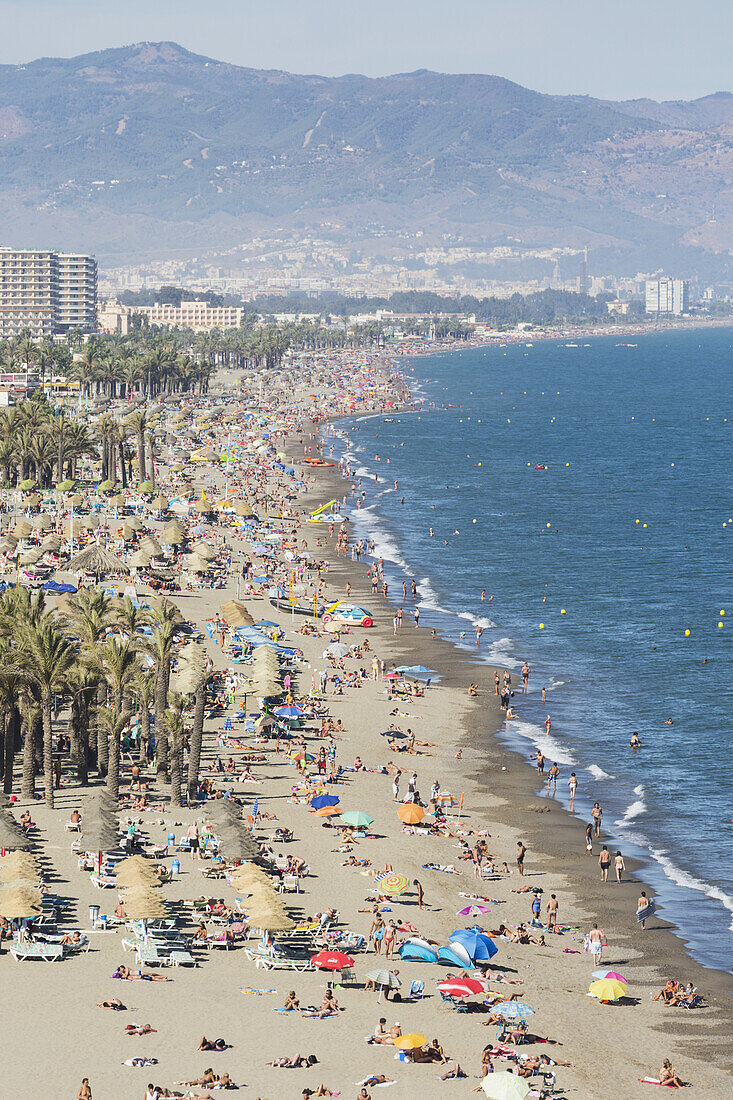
151	546
90	523
141	559
142	903
159	504
42	523
237	844
135	876
265	688
20	876
204	550
51	543
12	837
191	669
222	811
19	863
202	507
174	534
30	557
272	922
17	902
195	564
134	523
243	510
95	559
22	529
236	614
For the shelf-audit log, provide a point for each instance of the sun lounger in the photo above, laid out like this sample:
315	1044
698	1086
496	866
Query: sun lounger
180	957
266	961
49	952
290	884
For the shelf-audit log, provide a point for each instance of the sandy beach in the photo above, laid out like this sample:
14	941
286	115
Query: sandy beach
58	1035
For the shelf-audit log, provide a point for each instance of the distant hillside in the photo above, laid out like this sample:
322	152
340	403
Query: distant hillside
151	150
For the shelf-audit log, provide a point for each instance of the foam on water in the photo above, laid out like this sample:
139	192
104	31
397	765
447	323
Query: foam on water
684	878
598	773
499	653
635	809
546	743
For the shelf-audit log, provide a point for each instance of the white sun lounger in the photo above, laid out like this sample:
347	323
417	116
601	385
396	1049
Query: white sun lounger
49	952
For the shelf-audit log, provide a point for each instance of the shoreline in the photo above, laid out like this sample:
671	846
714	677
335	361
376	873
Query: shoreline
516	774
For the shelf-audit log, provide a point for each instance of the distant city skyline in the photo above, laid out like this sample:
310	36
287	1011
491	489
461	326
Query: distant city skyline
661	49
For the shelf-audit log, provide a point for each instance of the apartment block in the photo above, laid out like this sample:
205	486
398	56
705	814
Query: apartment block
194	314
665	296
46	292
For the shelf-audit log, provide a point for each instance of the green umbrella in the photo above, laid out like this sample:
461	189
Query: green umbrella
29	483
66	486
147	487
357	818
106	486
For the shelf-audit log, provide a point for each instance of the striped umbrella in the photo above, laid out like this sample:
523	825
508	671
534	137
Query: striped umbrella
392	883
513	1010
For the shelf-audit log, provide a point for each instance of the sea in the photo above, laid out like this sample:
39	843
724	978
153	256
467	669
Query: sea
584	487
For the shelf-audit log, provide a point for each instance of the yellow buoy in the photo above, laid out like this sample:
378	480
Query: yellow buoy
722	612
687	633
638	521
562	610
720	626
542	626
549	524
643	525
474	521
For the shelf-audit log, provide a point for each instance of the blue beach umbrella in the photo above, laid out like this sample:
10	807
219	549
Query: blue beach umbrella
322	800
513	1010
414	668
288	712
479	946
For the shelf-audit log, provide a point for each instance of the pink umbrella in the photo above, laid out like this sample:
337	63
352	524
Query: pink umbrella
473	910
612	974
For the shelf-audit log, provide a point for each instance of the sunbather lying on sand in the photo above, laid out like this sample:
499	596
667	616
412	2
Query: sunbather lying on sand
453	1073
127	975
297	1062
376	1079
140	1029
212	1044
114	1003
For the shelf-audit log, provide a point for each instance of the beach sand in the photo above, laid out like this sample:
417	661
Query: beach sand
54	1035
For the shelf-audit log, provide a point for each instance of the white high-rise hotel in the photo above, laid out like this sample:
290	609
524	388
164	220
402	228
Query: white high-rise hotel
46	292
667	296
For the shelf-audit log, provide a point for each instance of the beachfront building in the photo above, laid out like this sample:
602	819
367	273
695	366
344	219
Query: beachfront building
46	292
194	314
665	296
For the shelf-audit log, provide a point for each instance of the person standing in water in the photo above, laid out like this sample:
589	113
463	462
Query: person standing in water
525	676
573	786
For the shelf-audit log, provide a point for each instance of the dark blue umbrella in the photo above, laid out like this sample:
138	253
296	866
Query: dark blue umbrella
267	624
322	800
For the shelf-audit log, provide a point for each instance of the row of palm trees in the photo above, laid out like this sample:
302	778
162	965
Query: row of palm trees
85	670
34	442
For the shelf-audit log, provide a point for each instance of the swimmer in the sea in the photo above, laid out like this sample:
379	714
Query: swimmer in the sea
635	743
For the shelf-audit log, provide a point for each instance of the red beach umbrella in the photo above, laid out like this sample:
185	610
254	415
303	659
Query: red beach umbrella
462	987
332	960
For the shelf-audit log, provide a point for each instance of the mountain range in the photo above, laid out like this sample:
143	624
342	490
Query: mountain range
151	150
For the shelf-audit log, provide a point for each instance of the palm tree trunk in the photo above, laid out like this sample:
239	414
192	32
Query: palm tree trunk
28	782
12	720
122	465
197	735
141	456
176	769
46	703
102	738
161	736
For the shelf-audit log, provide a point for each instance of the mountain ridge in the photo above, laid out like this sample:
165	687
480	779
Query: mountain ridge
150	147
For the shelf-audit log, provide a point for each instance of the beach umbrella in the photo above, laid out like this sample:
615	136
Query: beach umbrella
17	902
607	989
20	876
26	485
195	564
105	486
76	500
136	871
410	813
513	1010
204	550
142	903
51	543
332	627
159	504
505	1086
479	946
358	818
332	960
249	873
461	987
91	523
392	883
12	837
151	546
42	522
22	529
134	523
609	974
473	911
238	846
336	649
146	487
30	557
202	507
455	955
95	559
410	1041
117	500
288	712
386	978
66	485
236	614
324	801
19	861
327	811
140	560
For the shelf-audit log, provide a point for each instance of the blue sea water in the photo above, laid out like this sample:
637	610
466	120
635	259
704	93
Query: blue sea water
628	531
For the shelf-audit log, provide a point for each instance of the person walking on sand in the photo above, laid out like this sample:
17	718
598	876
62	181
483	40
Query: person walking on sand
589	839
595	942
552	778
85	1092
642	903
573	786
396	788
521	853
604	862
618	866
552	908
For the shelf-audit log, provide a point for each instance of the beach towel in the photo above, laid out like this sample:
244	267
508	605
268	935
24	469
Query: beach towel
260	992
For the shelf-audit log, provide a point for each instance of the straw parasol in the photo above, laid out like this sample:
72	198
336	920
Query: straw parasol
19	860
141	559
202	507
191	669
136	871
42	523
134	523
273	922
76	500
142	903
12	837
236	614
51	543
173	535
19	901
30	557
204	550
195	564
95	559
249	874
22	529
151	546
20	876
237	843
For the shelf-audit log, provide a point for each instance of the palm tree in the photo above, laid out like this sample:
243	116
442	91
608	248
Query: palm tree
90	617
174	728
117	663
45	658
138	422
166	627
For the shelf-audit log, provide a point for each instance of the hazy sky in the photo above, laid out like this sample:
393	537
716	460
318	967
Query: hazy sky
665	49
